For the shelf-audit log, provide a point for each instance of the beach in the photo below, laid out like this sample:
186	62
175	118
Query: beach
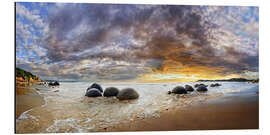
215	114
26	99
40	109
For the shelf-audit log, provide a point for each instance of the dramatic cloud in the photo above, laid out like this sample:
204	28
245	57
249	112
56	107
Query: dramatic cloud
132	42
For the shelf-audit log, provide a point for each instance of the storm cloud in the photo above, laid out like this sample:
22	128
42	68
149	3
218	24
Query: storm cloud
124	42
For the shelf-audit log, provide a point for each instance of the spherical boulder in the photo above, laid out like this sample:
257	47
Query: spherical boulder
202	89
189	88
127	94
97	86
111	91
179	90
93	92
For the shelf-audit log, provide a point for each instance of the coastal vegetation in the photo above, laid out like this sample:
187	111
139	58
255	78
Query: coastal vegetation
25	78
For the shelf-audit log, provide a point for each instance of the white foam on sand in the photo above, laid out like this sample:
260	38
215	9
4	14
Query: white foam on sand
25	115
70	125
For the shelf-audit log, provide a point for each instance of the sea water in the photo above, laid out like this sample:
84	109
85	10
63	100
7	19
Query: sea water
70	111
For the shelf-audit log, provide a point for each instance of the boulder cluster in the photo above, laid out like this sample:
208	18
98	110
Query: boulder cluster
54	83
199	87
95	90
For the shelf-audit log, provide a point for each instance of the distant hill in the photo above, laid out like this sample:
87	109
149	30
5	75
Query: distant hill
25	76
231	80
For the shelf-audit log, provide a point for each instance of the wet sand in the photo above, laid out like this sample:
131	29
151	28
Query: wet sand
27	98
228	112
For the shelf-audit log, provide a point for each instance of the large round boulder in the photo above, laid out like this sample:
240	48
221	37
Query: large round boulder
189	88
179	90
97	86
202	89
127	94
93	92
111	91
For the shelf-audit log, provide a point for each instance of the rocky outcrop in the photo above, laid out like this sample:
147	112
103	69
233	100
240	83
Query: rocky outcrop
24	76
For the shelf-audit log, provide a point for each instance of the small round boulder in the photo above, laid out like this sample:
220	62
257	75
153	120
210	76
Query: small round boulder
215	85
127	94
198	85
93	92
179	90
111	91
202	89
189	88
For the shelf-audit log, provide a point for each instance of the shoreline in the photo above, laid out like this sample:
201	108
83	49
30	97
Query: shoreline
26	99
221	113
235	110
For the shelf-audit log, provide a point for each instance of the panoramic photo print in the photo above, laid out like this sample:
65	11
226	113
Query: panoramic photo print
86	67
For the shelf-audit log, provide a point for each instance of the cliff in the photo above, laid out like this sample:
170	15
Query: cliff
23	77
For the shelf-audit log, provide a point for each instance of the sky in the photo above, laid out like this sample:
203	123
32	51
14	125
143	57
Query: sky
139	43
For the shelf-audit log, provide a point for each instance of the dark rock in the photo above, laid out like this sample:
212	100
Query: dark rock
111	91
179	90
169	92
93	92
127	94
202	89
54	83
198	85
189	88
97	86
215	85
